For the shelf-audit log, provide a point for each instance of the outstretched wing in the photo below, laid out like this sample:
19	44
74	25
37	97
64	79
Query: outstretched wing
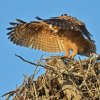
35	35
69	23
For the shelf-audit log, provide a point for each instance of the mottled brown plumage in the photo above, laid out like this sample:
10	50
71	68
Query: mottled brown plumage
57	34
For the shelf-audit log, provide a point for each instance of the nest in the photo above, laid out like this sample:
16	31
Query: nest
63	80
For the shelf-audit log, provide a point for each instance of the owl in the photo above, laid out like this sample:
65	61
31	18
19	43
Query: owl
56	34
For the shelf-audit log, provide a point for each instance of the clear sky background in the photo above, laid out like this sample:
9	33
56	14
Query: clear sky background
11	67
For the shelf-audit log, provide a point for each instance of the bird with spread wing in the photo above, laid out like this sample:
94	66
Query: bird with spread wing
57	34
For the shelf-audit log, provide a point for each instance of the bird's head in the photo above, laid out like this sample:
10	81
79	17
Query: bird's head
91	48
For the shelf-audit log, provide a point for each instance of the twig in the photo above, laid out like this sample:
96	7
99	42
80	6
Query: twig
26	60
9	93
46	66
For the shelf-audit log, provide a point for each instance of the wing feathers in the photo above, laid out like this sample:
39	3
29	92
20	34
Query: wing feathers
13	24
20	21
69	23
35	35
38	18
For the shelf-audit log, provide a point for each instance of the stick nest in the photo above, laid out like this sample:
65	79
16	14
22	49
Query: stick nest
63	80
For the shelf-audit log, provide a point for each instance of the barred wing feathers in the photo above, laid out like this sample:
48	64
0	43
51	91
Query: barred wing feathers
35	35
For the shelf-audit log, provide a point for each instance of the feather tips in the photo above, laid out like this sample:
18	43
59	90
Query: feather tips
20	21
35	35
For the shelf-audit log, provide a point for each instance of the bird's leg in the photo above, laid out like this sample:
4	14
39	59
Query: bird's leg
74	52
67	53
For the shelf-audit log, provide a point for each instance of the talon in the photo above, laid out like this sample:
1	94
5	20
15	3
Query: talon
71	58
64	57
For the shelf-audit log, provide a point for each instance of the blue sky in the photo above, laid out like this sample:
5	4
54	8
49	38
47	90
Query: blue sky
11	67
